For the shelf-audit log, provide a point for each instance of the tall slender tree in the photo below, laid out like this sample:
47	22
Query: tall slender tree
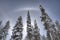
29	28
36	31
17	31
49	25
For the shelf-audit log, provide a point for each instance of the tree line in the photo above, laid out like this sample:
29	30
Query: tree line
52	29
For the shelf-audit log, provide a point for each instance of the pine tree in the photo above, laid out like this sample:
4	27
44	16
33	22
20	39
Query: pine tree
4	31
17	31
36	31
49	25
29	28
43	18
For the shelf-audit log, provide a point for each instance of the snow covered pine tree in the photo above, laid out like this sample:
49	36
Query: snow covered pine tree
29	28
49	25
17	31
36	31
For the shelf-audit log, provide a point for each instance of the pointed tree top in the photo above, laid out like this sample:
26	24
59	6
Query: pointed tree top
41	6
7	25
28	16
8	22
35	24
28	13
20	18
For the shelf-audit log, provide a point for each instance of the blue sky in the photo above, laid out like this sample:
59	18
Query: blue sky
12	9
